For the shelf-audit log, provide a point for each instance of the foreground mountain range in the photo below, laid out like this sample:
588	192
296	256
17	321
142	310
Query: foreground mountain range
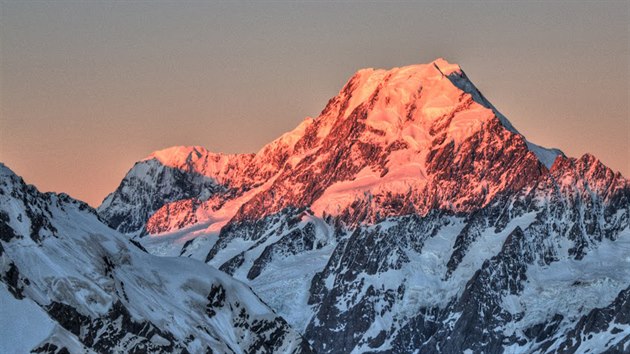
70	283
410	216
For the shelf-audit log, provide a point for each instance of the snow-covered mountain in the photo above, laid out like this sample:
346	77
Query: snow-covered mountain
416	135
69	283
409	216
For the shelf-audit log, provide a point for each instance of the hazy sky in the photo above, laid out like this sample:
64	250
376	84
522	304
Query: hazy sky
88	88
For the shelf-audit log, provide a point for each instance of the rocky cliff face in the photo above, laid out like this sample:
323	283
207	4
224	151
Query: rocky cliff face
68	283
411	215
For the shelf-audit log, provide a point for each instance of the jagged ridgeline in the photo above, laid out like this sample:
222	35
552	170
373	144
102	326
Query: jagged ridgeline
409	216
71	284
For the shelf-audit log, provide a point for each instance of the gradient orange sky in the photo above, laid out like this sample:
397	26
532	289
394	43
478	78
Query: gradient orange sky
88	88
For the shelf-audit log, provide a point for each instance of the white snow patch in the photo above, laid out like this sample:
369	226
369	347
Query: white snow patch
23	324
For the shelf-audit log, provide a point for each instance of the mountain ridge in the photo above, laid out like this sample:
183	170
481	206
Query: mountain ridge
410	215
386	114
81	287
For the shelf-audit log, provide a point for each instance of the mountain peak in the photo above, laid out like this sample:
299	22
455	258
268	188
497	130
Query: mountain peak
177	155
412	103
445	67
422	132
421	86
5	171
199	160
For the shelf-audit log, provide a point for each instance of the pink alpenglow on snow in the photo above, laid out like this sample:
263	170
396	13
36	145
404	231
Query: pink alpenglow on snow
407	135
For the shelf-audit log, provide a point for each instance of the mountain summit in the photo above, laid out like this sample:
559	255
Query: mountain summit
421	134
